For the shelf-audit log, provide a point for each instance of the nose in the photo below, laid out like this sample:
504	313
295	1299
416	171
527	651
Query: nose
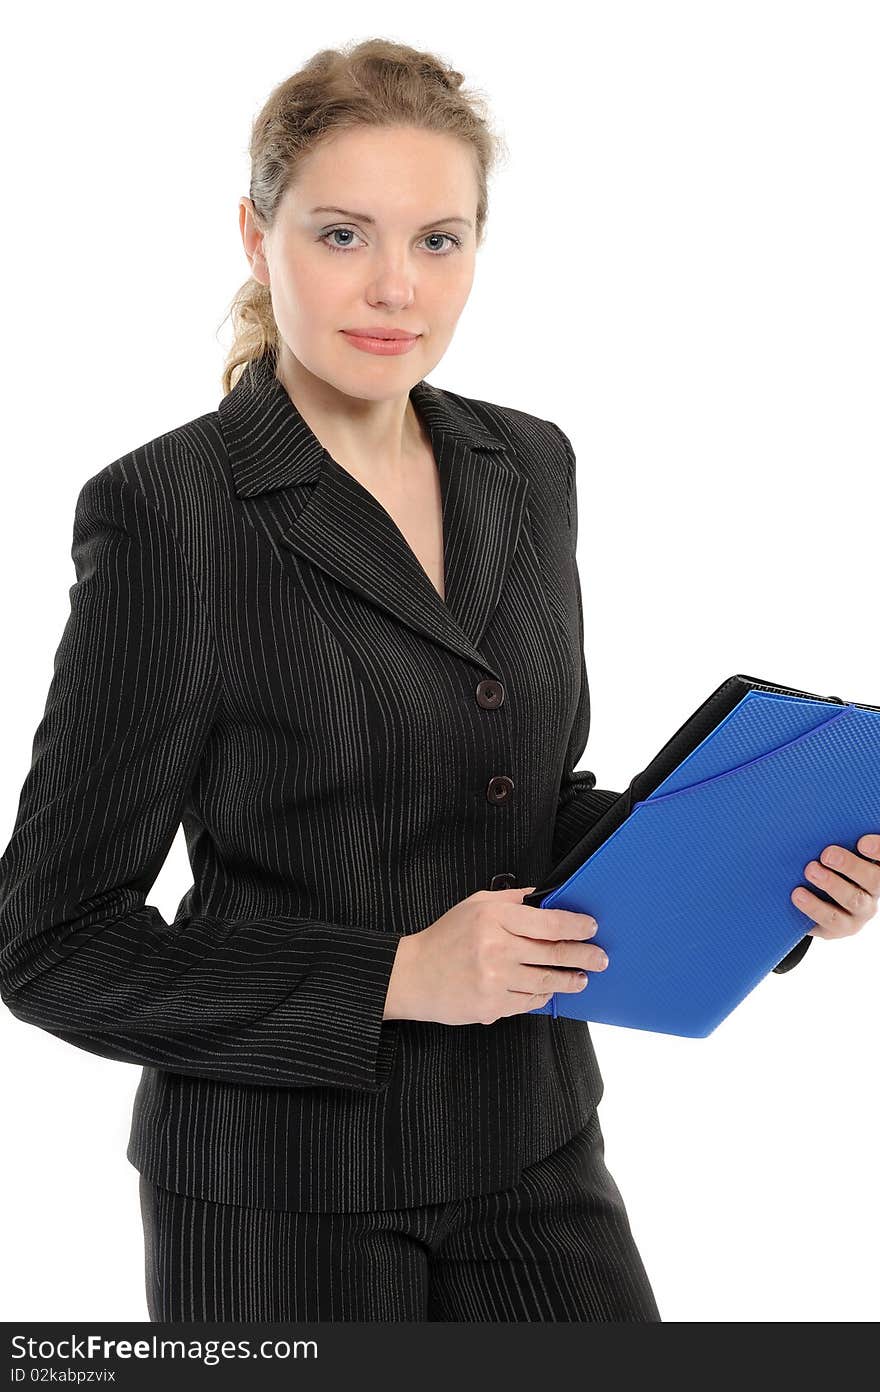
393	290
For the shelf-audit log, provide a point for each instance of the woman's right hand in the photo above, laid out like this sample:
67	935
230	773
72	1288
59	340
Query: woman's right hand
489	956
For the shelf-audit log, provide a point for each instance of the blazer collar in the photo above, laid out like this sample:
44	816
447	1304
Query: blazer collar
342	528
270	445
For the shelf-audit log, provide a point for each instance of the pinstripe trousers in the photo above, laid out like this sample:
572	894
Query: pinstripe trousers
556	1246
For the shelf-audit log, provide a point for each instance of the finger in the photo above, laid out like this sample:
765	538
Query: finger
858	868
861	903
830	921
548	924
869	846
524	1001
563	955
540	980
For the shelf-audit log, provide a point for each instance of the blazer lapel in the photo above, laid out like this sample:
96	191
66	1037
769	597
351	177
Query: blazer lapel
345	530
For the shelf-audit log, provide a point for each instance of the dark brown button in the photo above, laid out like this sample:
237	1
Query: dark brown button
503	881
490	693
499	788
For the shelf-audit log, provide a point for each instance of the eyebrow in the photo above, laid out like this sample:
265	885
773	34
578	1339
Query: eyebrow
365	217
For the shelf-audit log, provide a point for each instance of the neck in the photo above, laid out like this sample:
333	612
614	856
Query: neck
376	439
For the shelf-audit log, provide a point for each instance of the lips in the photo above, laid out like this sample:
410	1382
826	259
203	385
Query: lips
383	343
380	333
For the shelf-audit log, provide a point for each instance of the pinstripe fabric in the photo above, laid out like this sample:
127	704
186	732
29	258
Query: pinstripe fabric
254	651
556	1246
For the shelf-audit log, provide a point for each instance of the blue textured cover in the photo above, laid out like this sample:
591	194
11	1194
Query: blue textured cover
691	891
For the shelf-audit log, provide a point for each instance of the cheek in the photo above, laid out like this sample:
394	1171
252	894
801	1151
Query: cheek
304	300
457	293
445	297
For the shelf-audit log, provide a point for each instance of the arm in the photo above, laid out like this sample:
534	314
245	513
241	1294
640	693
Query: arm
279	1001
580	803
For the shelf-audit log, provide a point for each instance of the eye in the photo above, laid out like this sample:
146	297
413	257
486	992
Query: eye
449	237
350	232
345	231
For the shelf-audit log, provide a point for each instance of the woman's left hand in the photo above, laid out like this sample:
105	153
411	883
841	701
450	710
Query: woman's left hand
856	889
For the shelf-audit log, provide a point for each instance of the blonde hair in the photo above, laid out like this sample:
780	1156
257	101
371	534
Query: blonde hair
376	82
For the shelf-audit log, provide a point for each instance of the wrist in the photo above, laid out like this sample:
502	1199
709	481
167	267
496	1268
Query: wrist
397	1000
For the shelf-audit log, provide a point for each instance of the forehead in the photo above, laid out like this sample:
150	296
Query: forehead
388	171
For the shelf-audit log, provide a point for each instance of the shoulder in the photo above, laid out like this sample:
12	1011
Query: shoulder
177	475
540	448
509	422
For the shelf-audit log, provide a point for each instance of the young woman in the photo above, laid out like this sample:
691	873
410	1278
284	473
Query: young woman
335	628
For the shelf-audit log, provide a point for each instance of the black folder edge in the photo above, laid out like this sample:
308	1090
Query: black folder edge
676	749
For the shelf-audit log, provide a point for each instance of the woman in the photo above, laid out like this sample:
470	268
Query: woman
335	629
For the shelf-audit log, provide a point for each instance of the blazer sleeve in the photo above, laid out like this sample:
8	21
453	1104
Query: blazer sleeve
581	804
275	1001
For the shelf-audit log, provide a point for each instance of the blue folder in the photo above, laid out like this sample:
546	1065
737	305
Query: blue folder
689	873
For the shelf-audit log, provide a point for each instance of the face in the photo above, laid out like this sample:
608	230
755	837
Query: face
401	255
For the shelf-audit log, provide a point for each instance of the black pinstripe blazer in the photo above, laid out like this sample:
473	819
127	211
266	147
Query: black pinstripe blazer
253	650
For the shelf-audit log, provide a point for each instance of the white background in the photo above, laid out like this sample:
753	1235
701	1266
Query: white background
681	270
